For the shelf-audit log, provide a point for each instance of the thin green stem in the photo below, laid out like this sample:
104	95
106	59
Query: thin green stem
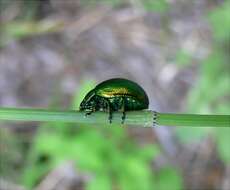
140	118
132	118
193	120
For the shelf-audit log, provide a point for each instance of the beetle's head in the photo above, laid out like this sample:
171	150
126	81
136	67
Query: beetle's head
88	103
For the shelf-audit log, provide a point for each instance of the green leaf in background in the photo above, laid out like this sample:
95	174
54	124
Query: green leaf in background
102	182
183	57
223	142
212	86
155	5
169	178
220	21
138	172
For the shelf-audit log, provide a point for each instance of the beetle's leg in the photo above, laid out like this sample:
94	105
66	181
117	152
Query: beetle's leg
110	112
123	111
109	108
110	115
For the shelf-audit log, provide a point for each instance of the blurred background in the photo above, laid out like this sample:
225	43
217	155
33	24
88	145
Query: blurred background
52	52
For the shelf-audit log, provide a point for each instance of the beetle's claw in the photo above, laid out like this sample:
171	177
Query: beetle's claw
123	118
110	117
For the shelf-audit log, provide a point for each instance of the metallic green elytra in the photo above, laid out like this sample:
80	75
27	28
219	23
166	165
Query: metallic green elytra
115	94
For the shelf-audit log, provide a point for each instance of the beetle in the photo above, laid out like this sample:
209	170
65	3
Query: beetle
116	94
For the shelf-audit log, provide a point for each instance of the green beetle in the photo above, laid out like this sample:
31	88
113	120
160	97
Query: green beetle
115	94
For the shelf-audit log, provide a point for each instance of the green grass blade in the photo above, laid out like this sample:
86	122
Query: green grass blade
140	118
